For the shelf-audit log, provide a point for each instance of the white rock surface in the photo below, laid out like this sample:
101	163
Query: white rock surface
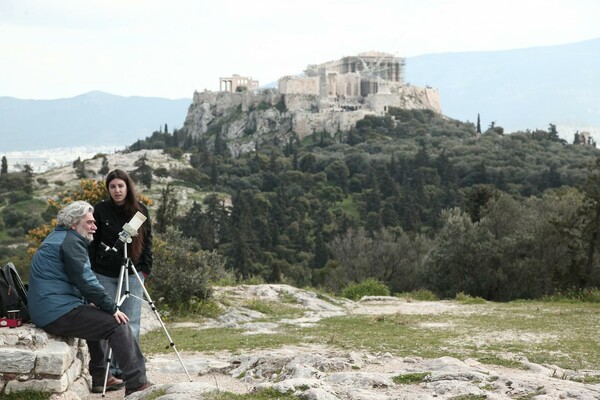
315	372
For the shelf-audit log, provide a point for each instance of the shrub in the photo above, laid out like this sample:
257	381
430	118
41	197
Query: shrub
161	172
180	274
368	287
421	294
468	299
411	378
575	295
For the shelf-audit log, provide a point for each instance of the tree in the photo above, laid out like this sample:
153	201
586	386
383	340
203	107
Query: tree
79	167
478	124
591	210
455	260
553	133
220	148
143	173
337	173
182	274
167	209
4	168
104	169
476	197
243	234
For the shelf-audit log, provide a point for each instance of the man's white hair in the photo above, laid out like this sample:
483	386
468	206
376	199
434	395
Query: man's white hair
72	213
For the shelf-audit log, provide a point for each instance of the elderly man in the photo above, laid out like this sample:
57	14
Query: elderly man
66	299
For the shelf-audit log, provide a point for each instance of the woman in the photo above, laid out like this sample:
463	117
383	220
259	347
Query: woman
111	215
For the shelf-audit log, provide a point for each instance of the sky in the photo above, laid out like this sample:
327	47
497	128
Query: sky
51	49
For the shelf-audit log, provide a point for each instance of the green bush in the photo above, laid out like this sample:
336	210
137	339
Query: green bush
368	287
468	299
421	294
181	276
411	378
575	295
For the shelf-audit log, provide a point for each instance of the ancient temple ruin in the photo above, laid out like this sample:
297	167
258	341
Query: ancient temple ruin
237	83
370	81
352	76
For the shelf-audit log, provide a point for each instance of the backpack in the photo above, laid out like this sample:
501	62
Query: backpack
13	294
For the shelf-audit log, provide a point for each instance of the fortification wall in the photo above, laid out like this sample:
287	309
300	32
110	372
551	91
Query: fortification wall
408	97
308	85
221	102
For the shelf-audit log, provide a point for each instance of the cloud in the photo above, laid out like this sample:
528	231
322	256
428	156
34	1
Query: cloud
170	49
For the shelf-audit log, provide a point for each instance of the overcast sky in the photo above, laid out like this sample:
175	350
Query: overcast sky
63	48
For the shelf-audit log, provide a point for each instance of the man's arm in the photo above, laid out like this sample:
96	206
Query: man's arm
77	267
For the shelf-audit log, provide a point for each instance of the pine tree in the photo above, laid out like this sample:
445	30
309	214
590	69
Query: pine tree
167	209
4	169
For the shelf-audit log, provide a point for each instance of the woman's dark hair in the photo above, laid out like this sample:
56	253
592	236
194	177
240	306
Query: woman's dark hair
131	206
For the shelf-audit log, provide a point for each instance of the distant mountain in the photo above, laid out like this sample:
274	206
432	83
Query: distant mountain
517	89
91	119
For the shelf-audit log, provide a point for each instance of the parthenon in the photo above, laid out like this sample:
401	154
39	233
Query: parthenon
352	76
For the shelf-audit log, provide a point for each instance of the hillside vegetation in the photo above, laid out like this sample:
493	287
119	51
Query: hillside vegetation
412	200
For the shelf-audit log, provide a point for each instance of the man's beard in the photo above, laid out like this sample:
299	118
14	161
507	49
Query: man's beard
83	232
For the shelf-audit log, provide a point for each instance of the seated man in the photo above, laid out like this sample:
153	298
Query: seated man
66	299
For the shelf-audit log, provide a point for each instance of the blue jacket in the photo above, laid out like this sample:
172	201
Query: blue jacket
61	279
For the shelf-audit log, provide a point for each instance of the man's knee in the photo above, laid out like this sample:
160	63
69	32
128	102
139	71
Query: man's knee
123	331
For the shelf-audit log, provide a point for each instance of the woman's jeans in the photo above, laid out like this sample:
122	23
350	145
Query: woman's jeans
132	306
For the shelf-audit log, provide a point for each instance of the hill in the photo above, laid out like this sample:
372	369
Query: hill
518	89
91	119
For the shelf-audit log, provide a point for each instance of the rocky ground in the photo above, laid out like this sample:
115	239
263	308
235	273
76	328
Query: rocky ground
316	372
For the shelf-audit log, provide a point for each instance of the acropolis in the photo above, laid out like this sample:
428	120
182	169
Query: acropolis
329	97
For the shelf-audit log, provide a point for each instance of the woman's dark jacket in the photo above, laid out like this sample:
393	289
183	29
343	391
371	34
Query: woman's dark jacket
110	220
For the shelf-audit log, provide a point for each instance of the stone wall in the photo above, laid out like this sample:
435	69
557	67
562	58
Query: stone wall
307	85
32	359
408	97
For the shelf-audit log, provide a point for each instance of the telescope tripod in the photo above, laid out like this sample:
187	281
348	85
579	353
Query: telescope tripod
127	265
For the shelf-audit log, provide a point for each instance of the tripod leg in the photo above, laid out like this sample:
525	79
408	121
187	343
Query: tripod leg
151	303
119	301
106	373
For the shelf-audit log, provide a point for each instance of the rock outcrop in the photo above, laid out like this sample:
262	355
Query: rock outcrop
317	372
32	359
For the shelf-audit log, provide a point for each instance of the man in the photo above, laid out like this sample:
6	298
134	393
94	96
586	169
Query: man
66	299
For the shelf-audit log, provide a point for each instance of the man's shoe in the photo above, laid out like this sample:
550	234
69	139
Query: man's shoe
145	386
111	384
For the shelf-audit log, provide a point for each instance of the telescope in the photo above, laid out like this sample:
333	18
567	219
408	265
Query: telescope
130	228
129	231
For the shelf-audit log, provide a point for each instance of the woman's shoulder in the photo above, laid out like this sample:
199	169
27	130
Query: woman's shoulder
142	206
102	204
